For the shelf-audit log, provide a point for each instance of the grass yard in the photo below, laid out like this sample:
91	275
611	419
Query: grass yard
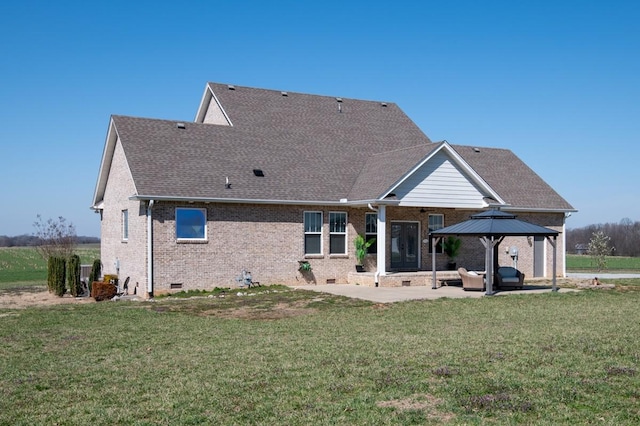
293	357
584	263
26	266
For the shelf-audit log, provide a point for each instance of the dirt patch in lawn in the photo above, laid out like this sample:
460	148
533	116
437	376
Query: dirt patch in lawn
422	402
20	298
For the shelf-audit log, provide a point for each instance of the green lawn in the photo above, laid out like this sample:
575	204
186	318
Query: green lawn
580	263
25	265
292	357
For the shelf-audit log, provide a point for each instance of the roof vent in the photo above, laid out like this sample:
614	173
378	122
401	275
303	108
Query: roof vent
284	93
231	87
384	104
181	126
476	149
258	172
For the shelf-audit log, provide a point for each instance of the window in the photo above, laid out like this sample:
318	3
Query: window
371	230
125	225
191	224
337	233
312	232
436	221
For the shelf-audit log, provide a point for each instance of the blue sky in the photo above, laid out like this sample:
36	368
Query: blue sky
556	82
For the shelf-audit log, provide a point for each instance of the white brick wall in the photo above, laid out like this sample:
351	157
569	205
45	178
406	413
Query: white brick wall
130	253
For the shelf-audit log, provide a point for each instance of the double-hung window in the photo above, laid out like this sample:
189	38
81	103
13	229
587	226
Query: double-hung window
436	221
337	233
125	225
371	230
191	224
312	232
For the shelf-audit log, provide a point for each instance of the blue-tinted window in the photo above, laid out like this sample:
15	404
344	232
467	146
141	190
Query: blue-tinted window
191	224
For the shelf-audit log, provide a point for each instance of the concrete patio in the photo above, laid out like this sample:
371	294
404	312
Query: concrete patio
398	294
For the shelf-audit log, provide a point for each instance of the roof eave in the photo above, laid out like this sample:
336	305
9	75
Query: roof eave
343	202
105	163
538	210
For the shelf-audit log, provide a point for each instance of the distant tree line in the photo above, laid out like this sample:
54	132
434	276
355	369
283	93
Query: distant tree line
624	238
33	241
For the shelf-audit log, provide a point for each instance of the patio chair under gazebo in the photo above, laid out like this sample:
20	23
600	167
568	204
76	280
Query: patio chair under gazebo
491	227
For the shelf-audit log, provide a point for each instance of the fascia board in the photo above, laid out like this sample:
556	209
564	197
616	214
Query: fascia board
105	164
537	210
204	102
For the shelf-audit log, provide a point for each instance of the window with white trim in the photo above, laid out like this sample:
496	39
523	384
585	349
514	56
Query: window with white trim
436	221
337	233
312	232
125	225
371	230
191	223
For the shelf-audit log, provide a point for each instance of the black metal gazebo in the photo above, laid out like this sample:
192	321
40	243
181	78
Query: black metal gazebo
491	227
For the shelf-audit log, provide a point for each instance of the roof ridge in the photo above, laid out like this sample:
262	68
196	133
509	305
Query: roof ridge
289	93
403	149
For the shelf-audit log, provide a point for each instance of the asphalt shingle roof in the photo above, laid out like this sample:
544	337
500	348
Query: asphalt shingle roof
308	148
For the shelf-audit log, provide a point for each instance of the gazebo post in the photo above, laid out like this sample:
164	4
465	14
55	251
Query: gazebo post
488	263
434	241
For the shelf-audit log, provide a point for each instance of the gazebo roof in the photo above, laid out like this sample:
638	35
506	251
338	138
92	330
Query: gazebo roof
494	223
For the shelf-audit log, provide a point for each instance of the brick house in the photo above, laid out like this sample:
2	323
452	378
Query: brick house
263	180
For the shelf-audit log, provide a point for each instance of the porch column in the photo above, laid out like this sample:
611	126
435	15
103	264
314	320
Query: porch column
553	244
381	241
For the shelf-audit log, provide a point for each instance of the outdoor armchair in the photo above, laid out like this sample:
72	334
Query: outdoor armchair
508	277
471	280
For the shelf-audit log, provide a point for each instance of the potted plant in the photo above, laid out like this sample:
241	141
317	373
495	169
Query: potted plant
304	266
362	247
451	247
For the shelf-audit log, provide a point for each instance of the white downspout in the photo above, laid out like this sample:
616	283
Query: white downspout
150	249
381	241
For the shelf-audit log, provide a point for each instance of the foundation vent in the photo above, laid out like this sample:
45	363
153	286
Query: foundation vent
175	286
331	280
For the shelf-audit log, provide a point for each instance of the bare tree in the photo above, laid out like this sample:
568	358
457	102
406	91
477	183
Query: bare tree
55	237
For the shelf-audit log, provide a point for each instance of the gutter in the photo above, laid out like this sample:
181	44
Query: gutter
150	249
343	202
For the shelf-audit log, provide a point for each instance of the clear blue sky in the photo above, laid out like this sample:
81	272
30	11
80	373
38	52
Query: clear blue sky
556	82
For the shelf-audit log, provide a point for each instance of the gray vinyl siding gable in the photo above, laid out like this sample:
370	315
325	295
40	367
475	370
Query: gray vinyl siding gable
440	183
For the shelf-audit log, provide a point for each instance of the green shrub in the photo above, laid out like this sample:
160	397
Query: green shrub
57	275
73	275
96	271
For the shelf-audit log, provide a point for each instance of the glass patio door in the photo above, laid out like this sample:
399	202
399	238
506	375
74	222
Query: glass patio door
404	246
